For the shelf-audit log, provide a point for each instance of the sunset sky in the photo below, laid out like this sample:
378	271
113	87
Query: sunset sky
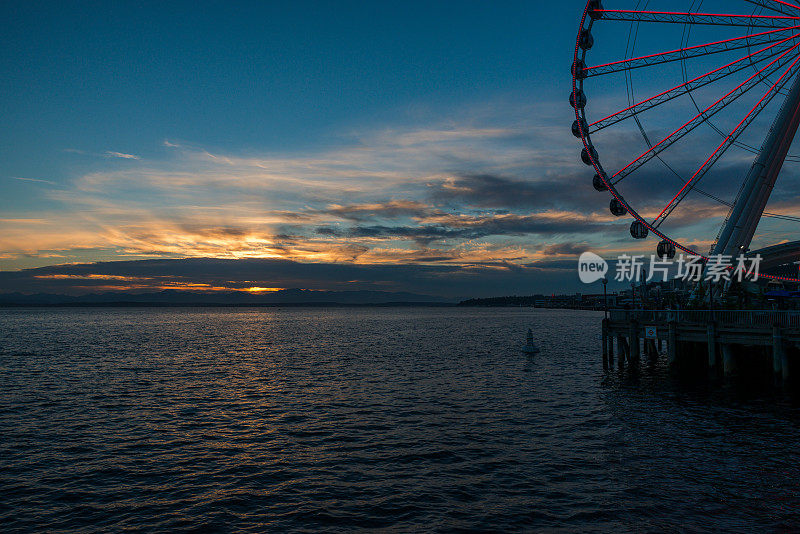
323	145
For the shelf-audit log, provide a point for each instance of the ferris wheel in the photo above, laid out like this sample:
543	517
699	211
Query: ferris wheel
687	111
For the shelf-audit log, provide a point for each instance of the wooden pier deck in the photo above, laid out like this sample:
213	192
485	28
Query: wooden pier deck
723	338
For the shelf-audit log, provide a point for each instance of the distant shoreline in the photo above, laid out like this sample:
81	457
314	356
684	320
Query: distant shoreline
286	299
8	306
177	298
123	304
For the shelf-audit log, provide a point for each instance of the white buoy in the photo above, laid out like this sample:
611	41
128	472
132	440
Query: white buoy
530	347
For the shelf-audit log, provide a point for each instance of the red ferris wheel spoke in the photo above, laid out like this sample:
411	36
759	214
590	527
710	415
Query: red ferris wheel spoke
727	143
778	55
787	4
670	17
680	54
769	4
701	117
695	83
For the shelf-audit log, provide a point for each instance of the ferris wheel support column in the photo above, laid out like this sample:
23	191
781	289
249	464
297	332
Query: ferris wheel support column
743	219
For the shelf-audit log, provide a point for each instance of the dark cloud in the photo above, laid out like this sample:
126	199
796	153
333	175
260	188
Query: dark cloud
218	231
389	209
443	280
456	227
571	191
327	231
566	249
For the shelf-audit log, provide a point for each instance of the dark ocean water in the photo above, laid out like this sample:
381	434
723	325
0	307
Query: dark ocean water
403	419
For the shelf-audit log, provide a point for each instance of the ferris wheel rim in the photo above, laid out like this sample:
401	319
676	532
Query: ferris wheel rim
588	148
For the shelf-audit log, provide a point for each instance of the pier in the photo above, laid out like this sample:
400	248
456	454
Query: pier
727	342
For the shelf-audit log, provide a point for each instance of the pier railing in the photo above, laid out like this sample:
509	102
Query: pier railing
744	318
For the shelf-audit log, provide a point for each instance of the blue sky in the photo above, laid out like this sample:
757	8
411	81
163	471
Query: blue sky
420	134
254	77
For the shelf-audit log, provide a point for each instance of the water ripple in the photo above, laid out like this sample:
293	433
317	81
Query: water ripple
328	420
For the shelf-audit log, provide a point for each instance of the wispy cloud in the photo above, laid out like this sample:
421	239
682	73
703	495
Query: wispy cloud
106	154
36	180
121	155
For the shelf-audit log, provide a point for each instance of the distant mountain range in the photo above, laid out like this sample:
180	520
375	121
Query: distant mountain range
503	301
284	297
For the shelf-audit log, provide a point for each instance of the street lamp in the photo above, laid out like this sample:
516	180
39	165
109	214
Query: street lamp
605	296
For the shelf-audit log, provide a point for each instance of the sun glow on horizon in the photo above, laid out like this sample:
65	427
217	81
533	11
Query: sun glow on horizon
152	283
256	289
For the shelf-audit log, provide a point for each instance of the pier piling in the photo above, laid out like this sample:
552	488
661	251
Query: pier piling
622	348
728	360
651	350
712	345
634	342
777	350
610	340
730	342
785	367
672	344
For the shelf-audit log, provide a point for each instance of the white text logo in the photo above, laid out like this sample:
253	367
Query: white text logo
591	267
